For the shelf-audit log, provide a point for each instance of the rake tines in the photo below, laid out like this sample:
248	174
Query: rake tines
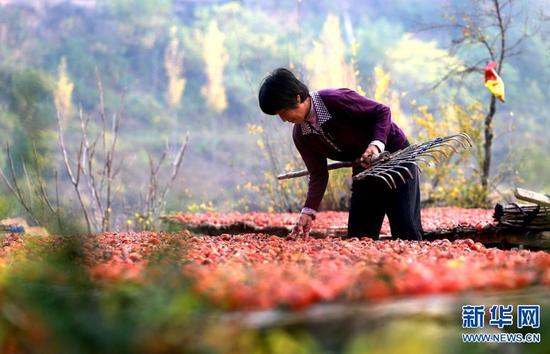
390	166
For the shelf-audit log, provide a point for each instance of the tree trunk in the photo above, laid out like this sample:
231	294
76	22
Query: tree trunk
487	147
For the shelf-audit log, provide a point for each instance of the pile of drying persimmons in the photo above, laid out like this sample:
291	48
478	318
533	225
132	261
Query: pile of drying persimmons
261	271
432	219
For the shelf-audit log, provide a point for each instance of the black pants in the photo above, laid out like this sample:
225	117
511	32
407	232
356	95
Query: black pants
371	199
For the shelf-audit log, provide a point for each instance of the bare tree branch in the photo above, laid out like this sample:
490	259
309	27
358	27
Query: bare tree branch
74	179
154	199
108	163
28	182
57	203
459	71
176	163
41	187
14	187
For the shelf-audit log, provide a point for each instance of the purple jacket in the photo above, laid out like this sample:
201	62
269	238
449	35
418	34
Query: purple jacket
350	122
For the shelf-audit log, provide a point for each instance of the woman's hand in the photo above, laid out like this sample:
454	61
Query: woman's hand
302	226
371	153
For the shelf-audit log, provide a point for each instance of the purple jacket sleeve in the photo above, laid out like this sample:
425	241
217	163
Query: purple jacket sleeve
318	174
360	107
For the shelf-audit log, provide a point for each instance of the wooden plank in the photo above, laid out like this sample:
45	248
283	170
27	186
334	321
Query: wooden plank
531	240
441	308
533	197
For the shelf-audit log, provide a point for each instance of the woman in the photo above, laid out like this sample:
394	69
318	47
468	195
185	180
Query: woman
342	125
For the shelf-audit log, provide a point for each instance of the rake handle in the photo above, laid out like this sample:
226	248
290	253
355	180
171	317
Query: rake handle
334	165
330	166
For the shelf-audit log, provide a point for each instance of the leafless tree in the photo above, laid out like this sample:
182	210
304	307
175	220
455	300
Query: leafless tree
155	197
488	30
93	165
97	165
36	190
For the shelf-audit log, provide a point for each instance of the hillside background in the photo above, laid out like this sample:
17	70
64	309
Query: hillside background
195	67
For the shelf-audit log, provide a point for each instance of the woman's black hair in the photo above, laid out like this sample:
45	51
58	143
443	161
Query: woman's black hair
279	90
